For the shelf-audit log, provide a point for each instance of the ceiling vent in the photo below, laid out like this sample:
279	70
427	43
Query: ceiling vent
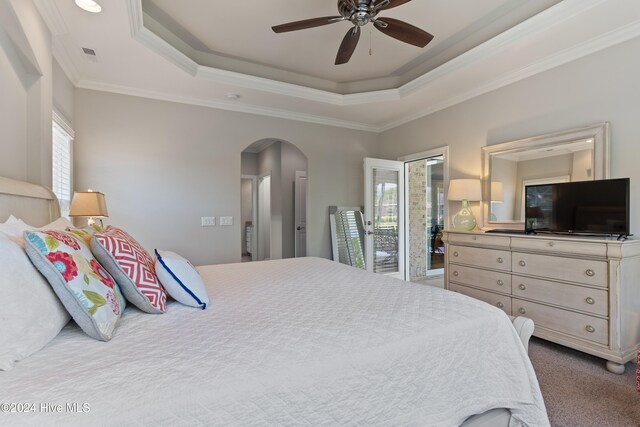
90	54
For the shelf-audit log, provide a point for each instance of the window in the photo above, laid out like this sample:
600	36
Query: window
61	167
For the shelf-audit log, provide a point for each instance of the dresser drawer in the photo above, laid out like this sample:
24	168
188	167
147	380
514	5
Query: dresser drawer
491	280
479	239
579	325
559	268
595	301
488	258
503	302
559	246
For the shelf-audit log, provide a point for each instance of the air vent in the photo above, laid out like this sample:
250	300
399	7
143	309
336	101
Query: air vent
90	54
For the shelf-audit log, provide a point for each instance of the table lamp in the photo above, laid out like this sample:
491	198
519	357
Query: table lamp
465	190
89	203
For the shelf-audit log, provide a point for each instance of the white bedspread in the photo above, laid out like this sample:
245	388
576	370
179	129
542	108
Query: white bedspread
291	342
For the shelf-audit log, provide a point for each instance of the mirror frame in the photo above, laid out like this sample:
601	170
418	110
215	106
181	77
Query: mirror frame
601	142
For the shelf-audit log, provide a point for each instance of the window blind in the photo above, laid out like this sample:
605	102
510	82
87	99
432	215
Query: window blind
61	167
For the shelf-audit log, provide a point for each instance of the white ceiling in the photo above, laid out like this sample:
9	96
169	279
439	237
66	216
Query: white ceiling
199	51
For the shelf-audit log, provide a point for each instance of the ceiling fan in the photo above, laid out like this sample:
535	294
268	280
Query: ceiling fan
360	13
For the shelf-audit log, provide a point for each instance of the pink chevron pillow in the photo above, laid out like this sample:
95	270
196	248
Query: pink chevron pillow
132	267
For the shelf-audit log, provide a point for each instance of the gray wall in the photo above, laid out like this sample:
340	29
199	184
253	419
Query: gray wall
600	87
25	94
63	93
163	165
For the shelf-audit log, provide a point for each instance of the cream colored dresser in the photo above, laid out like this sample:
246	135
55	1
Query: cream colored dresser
583	293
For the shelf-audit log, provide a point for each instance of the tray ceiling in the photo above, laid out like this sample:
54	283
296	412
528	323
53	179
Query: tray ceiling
224	55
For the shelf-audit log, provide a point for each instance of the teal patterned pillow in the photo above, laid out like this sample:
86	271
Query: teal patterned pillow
85	288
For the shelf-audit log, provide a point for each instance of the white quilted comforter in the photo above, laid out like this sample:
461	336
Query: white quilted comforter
290	342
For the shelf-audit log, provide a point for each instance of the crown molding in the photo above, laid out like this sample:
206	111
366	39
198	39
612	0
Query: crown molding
52	17
594	45
149	39
63	56
230	106
55	22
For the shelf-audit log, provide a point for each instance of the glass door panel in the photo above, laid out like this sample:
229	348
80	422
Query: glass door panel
384	214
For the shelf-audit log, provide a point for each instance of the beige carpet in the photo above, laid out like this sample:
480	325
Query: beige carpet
579	391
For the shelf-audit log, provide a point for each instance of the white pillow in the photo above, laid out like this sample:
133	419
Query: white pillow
11	220
14	228
31	314
14	231
60	224
181	280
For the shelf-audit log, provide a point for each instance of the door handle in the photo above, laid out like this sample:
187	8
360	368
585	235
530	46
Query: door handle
298	228
369	232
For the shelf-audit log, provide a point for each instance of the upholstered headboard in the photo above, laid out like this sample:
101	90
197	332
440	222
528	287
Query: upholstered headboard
34	204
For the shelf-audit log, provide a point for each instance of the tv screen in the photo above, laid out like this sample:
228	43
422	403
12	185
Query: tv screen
584	207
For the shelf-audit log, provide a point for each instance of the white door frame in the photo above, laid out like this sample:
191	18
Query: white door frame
297	216
260	177
254	214
434	152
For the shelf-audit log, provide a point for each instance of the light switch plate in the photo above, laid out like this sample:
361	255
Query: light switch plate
226	220
208	221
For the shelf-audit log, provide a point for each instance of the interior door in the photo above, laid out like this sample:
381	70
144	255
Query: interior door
384	216
300	214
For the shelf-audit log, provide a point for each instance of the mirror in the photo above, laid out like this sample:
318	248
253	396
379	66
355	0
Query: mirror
574	155
347	235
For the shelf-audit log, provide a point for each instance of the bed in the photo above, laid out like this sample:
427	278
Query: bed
289	342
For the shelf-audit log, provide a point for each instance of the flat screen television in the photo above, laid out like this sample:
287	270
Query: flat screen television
599	207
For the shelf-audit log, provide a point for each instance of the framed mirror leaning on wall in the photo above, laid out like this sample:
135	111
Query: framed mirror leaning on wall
572	155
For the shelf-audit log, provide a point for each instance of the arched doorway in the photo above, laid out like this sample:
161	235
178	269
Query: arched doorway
273	200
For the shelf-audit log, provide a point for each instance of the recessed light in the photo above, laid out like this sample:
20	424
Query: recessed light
89	6
233	96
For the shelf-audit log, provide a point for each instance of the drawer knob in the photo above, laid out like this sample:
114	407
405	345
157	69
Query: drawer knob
500	282
500	305
522	286
500	260
590	329
521	310
551	243
455	254
522	263
590	300
455	273
474	238
590	272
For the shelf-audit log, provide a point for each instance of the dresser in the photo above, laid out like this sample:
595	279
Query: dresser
583	293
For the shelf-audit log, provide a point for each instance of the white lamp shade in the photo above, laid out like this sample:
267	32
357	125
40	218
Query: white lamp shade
464	189
496	192
88	203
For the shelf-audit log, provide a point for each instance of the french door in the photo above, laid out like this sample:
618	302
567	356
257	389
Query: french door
384	216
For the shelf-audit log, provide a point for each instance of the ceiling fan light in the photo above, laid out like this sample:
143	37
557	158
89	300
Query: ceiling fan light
89	6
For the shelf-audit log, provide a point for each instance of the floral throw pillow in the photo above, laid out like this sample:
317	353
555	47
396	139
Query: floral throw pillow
85	288
132	267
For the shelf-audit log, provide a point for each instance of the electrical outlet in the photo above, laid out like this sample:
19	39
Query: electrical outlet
226	220
208	221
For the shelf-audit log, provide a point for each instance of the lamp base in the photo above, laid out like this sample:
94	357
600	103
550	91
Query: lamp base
464	220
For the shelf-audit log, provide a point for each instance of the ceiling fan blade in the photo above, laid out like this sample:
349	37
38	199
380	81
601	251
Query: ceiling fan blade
394	3
307	23
348	46
404	32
